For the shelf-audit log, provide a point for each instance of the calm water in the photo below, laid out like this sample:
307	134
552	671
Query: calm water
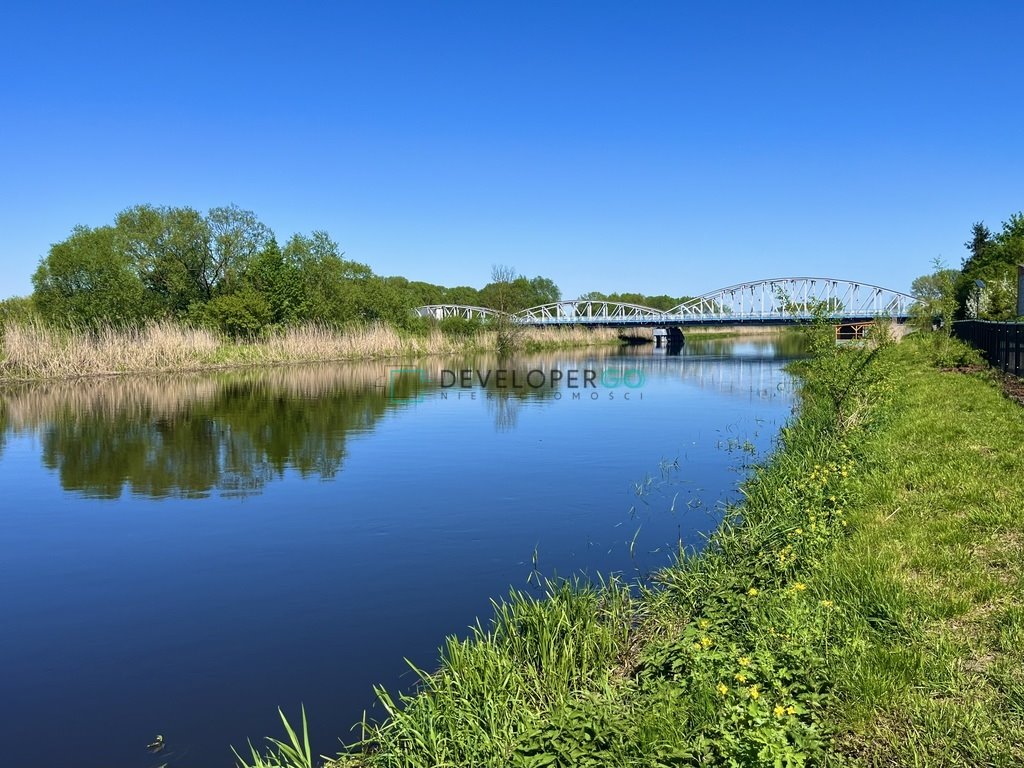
184	555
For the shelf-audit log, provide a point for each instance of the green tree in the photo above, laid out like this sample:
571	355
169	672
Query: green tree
331	287
935	298
544	291
993	260
462	294
17	309
511	292
171	253
663	302
87	279
277	280
236	238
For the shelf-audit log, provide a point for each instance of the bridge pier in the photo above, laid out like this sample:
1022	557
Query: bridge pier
669	337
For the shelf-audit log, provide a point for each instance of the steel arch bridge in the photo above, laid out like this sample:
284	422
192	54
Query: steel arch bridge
776	301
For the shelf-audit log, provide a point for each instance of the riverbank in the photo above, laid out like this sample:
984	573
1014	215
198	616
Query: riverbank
34	351
864	605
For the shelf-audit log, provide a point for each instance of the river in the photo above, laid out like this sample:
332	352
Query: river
182	555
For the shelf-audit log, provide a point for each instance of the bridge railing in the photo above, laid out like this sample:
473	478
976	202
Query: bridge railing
1002	344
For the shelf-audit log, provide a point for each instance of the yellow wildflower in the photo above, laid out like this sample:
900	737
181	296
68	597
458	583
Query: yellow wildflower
723	689
752	591
799	586
779	710
754	693
705	642
827	603
799	531
744	661
704	623
790	710
740	677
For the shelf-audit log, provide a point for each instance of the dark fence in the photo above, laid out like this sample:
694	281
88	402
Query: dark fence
1001	343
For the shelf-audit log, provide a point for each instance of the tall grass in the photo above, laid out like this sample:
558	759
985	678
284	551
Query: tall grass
34	350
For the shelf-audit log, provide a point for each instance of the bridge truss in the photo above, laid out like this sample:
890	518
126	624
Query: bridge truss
773	301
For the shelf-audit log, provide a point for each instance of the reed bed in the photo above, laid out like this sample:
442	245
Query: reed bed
34	351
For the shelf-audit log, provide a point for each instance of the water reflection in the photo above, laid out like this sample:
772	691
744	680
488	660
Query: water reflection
784	345
190	435
233	433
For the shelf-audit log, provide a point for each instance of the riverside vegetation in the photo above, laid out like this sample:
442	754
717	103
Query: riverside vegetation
170	288
861	607
35	350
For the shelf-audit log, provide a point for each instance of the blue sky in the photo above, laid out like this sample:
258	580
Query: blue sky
654	147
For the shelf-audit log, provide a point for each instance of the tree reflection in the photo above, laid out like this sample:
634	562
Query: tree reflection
233	433
192	436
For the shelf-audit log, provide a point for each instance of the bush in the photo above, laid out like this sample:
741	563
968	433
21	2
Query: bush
242	315
17	309
460	327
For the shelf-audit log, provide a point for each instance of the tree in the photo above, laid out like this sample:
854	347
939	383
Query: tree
462	294
980	245
511	292
501	292
277	281
236	238
935	298
663	302
544	291
87	279
993	260
17	310
170	251
331	288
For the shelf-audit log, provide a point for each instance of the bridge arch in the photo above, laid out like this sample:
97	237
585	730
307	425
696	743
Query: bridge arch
772	300
798	298
463	311
577	311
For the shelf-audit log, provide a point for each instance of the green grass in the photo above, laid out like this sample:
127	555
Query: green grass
933	574
863	606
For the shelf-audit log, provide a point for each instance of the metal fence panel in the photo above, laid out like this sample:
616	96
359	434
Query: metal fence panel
1002	344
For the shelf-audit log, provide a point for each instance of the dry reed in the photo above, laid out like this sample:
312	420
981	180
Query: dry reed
33	351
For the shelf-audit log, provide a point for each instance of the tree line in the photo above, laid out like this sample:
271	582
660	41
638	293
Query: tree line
226	269
985	286
661	301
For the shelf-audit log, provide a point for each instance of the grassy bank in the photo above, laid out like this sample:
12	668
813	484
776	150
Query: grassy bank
933	574
37	351
864	606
